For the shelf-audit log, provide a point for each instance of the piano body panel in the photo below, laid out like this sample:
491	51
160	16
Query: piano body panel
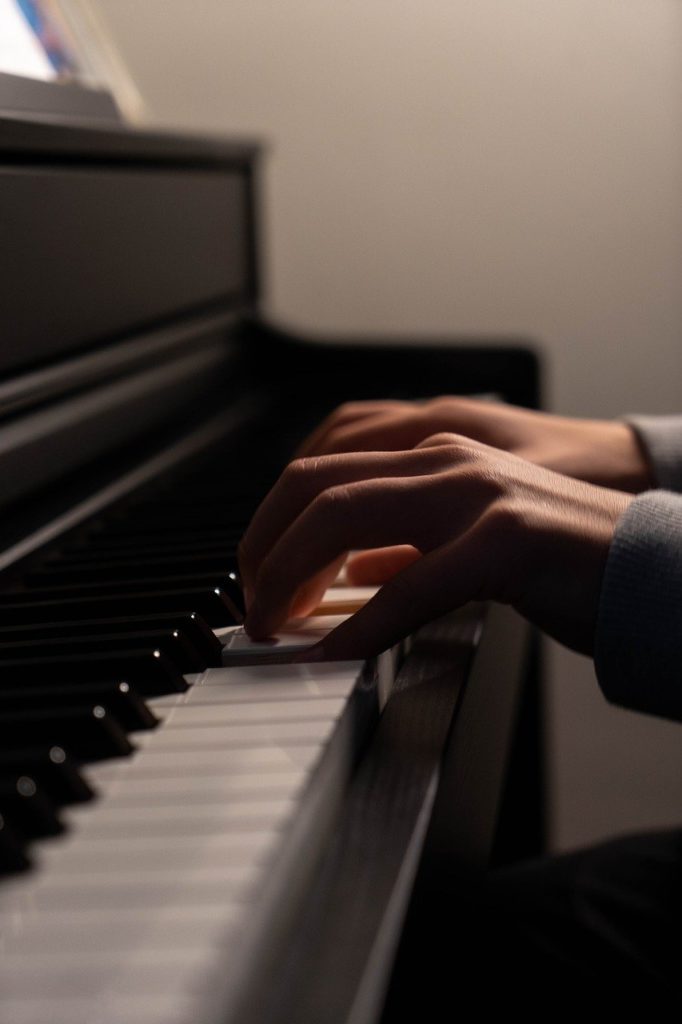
108	232
325	370
434	777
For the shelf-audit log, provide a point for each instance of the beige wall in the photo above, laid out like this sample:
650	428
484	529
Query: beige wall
468	165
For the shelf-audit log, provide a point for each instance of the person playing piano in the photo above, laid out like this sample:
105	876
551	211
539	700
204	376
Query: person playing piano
576	524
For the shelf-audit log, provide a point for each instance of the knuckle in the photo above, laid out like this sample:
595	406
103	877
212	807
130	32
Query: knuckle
347	410
442	404
442	437
486	477
333	510
299	474
333	501
509	518
298	468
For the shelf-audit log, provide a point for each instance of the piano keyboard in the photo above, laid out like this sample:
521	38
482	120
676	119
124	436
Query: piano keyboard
158	890
172	807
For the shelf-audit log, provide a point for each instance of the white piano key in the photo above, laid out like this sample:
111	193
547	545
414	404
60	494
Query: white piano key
316	675
59	976
191	819
252	692
295	639
235	760
231	856
294	628
163	927
266	682
145	1008
220	737
240	649
199	795
344	600
136	889
170	870
80	855
138	788
274	711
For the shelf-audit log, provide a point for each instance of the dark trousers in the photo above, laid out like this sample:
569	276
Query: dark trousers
603	924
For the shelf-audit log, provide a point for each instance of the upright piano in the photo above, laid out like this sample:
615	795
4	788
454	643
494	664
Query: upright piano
183	843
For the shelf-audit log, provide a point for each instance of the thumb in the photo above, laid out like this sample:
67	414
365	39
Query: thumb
372	568
440	581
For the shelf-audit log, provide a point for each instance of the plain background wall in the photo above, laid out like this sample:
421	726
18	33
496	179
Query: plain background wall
468	166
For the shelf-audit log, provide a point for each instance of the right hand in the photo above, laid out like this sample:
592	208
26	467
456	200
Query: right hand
603	452
458	521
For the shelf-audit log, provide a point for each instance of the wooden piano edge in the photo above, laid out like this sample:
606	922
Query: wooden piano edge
422	804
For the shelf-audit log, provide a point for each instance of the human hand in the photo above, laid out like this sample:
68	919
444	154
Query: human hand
478	524
604	452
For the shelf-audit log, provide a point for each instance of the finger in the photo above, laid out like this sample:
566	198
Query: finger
416	510
310	594
305	479
372	568
351	412
441	581
388	431
366	514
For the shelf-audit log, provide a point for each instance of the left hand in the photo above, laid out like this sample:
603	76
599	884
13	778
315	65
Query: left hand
462	521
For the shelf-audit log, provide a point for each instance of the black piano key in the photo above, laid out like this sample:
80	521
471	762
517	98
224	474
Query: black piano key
13	856
211	603
108	572
220	510
171	643
163	523
192	627
179	495
123	554
228	583
87	733
117	541
119	536
52	768
136	584
150	672
24	803
120	699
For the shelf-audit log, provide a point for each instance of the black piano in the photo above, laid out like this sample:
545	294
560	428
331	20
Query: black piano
182	842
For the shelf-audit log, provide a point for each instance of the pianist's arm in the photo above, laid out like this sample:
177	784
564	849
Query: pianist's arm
477	514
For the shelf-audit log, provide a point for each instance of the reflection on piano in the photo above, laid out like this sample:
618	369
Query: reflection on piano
181	841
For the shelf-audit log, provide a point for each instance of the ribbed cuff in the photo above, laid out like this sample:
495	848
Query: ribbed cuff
638	642
661	439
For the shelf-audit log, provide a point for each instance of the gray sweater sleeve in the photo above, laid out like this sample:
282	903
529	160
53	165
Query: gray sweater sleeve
661	440
638	641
